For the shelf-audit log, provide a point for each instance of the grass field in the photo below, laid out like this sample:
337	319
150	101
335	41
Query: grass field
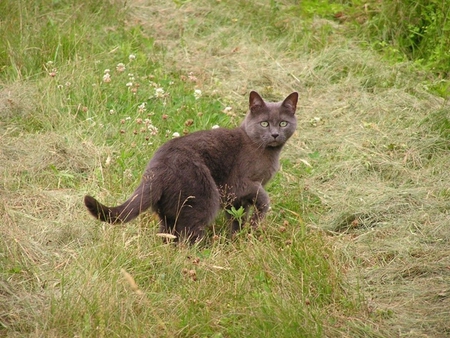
357	243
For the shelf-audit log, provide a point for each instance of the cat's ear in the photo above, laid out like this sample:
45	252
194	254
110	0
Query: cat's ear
291	101
255	101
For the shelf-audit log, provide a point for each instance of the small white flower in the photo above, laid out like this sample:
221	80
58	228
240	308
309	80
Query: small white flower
176	134
153	130
129	84
159	92
111	111
197	94
127	118
215	126
227	109
108	161
106	78
106	71
132	57
120	67
142	108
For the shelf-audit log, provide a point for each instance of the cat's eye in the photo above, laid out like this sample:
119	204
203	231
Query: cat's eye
264	124
283	124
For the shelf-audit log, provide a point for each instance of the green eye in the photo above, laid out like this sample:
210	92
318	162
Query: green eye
283	124
264	124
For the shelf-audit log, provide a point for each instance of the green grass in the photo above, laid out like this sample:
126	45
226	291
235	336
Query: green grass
359	207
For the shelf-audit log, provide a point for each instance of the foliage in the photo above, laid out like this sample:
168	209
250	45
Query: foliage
418	29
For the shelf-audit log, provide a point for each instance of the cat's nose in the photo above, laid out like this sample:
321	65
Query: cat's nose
275	135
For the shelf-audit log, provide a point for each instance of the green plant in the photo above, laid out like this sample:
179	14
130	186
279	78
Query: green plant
417	28
237	214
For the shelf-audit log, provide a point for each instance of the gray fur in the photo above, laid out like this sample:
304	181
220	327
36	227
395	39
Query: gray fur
190	177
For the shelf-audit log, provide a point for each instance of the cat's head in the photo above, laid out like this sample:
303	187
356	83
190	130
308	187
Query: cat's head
270	124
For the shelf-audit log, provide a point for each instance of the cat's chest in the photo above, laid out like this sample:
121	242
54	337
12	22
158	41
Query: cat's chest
262	168
269	171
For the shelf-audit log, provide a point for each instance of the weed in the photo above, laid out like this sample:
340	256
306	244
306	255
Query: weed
237	214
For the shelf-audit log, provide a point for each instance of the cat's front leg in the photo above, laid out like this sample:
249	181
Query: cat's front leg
255	197
261	205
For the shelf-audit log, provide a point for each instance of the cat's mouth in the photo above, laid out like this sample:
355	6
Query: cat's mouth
274	144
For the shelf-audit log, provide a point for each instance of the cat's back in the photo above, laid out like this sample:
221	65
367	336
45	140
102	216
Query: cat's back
212	147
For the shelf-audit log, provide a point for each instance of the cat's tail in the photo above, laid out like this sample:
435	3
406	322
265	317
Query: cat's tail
142	198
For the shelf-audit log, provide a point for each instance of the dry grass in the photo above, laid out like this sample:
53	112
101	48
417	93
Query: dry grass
380	170
369	164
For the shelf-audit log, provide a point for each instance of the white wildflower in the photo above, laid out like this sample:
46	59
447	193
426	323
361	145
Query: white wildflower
159	92
153	130
197	94
120	67
227	109
106	78
215	126
129	84
142	107
176	134
132	57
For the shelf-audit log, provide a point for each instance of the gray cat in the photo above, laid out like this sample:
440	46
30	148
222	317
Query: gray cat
190	177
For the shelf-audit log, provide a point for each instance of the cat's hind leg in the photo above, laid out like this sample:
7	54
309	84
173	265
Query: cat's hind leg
189	203
194	217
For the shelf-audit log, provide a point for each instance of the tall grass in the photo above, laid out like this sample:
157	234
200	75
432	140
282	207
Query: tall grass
415	28
87	97
89	90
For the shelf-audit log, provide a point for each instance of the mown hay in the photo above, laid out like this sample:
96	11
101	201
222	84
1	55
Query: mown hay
373	148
